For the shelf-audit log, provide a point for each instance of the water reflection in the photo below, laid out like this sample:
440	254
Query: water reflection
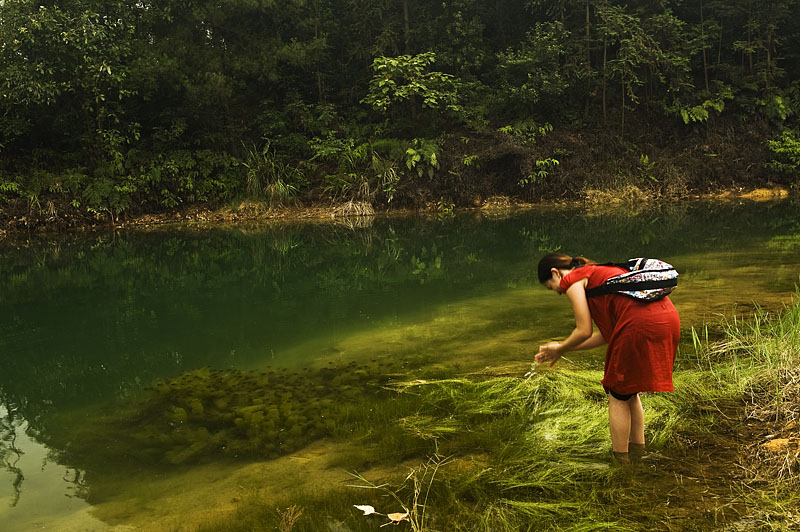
36	493
10	453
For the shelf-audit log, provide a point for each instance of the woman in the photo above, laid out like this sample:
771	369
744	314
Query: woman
642	339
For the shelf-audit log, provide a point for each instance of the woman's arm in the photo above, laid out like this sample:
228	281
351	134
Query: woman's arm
595	340
581	336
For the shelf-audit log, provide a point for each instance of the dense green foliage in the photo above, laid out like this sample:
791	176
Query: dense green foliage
113	106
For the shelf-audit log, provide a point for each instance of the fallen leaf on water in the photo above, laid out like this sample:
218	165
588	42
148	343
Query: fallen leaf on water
366	508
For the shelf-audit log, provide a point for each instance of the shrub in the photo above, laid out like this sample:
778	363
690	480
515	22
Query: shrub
786	151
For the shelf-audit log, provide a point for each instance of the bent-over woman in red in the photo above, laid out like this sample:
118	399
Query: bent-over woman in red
642	340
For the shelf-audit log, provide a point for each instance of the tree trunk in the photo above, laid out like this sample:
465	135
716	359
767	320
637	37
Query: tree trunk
588	40
703	41
320	88
500	14
622	121
605	78
768	69
750	35
406	26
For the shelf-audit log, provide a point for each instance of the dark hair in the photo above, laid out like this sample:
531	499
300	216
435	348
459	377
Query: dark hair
559	261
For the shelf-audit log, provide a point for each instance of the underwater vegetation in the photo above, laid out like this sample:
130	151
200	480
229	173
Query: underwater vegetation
207	414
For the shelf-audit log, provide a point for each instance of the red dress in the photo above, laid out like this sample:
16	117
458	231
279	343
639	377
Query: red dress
642	336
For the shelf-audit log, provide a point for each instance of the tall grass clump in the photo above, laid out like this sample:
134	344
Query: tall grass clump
768	348
523	450
270	179
749	367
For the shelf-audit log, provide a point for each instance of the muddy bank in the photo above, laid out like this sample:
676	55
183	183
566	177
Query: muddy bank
349	213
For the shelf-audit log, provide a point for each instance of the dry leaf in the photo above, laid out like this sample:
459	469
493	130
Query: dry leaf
366	508
396	518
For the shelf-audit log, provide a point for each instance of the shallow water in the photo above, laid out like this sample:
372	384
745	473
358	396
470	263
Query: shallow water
89	321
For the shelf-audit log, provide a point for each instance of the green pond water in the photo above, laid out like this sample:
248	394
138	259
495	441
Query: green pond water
135	366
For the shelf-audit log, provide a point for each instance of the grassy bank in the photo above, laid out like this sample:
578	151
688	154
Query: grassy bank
511	453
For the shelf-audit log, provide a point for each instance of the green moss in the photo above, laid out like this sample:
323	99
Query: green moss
207	414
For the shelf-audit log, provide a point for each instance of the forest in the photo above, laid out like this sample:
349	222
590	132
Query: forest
110	108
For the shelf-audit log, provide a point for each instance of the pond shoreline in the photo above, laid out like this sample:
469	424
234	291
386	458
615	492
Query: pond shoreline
249	211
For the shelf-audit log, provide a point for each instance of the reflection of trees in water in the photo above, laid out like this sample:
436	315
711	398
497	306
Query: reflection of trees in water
9	453
14	423
77	478
291	257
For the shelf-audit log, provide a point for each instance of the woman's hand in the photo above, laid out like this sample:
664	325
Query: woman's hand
549	353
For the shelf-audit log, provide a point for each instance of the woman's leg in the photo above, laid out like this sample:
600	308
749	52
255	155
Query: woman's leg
619	421
637	420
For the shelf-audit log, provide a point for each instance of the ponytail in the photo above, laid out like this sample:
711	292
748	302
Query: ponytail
559	261
579	261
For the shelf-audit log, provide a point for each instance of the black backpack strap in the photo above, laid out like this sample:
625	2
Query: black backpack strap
624	265
604	289
601	290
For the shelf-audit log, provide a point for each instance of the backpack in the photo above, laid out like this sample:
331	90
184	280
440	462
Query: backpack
646	280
